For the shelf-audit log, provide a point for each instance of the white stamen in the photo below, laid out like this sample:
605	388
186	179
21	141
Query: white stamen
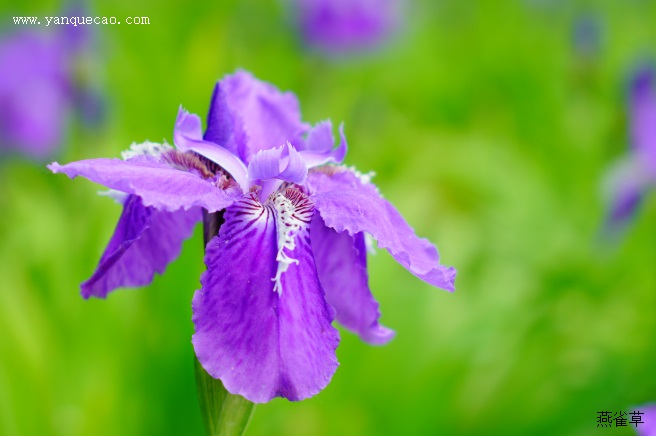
145	149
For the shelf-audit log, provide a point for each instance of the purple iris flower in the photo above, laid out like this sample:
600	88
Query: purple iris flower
631	177
38	89
339	26
290	254
648	425
34	93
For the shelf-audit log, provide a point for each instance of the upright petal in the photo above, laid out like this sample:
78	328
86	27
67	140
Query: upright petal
157	183
187	135
144	243
220	122
342	266
267	117
261	343
284	163
348	204
319	149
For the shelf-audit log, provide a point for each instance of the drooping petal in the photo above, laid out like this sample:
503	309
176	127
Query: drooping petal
187	135
157	183
348	204
259	342
342	266
267	117
144	243
319	146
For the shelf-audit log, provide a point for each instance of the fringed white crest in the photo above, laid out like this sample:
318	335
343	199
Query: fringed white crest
365	178
146	148
293	211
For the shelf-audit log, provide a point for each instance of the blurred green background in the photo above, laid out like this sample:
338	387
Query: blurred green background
488	128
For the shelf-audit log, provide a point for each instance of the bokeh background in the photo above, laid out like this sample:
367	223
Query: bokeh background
490	125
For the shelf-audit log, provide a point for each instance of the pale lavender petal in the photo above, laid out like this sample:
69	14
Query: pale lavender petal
220	122
320	138
342	266
319	146
187	135
144	243
284	163
259	342
158	184
648	426
264	117
348	204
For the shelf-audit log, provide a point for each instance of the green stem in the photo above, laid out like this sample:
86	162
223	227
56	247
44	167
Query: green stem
223	413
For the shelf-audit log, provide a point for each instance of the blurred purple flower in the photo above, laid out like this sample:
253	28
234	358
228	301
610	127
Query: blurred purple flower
340	26
35	93
290	254
632	176
38	89
648	425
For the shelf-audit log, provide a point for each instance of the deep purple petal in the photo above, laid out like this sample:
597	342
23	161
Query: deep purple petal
342	266
157	183
264	117
346	203
319	146
220	122
187	135
259	342
144	243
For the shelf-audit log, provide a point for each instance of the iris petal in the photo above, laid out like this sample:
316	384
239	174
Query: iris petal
260	343
187	135
348	204
144	243
156	182
319	146
342	266
266	117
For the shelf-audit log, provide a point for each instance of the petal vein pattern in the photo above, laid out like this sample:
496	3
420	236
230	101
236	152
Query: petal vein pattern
260	343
